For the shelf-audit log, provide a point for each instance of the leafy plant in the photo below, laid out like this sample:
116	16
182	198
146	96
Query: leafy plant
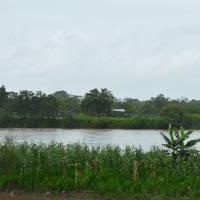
128	173
177	142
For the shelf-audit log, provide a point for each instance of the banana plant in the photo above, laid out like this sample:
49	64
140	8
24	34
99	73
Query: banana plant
177	142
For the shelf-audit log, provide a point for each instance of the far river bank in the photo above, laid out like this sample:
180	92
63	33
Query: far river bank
92	122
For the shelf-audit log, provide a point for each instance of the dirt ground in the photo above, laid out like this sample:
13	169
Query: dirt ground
28	196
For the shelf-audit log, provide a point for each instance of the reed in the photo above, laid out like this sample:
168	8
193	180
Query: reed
110	170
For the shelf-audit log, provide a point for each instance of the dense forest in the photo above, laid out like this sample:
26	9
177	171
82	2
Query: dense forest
98	105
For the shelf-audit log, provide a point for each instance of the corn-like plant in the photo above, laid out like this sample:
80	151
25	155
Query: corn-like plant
177	142
108	170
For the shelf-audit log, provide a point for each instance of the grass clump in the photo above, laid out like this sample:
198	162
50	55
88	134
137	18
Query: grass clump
109	170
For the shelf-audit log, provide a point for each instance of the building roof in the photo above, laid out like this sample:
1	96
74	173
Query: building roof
119	110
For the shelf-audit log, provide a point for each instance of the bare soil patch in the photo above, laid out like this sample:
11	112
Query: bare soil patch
37	196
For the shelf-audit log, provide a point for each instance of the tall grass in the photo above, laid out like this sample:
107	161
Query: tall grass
109	170
85	121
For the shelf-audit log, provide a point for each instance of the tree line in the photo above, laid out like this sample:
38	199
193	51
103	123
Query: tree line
29	104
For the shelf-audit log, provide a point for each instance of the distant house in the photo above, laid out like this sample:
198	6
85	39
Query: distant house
78	97
121	110
118	111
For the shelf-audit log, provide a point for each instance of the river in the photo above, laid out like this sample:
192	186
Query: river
145	139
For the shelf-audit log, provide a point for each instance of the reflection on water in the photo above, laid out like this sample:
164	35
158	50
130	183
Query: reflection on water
139	138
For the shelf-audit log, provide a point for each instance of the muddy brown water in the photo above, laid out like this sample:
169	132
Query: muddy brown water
146	139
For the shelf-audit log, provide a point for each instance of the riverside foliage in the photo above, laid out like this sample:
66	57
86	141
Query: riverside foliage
108	170
178	144
104	122
94	110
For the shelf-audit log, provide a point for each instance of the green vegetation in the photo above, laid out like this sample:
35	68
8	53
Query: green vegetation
85	121
98	102
94	110
110	171
105	122
177	143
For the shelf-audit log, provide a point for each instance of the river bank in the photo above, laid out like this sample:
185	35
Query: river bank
87	122
103	122
92	122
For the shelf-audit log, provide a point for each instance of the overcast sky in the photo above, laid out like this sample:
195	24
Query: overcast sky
136	48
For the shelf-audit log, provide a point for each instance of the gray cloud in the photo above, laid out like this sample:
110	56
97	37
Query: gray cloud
135	48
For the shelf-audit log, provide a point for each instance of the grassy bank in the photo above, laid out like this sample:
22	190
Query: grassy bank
110	171
84	121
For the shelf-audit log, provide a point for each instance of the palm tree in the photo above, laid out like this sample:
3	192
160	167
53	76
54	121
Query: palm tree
177	142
